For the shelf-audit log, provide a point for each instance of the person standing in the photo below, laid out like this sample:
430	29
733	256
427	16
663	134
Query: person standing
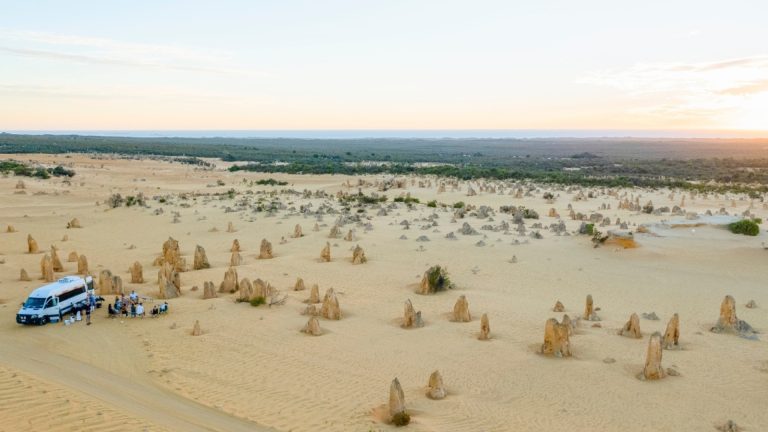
88	313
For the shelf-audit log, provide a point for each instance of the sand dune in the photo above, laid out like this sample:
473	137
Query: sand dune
252	368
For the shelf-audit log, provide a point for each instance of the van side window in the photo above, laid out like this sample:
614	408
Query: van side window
73	293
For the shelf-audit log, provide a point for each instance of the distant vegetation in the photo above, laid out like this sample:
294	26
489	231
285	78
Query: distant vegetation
271	182
704	165
21	169
746	227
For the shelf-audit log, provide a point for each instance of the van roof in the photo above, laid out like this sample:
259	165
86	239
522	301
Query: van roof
59	286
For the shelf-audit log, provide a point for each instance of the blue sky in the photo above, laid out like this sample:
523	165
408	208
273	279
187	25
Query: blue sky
383	65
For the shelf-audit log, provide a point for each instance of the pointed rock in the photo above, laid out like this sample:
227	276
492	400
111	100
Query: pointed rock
46	269
23	276
435	387
72	257
411	318
235	246
558	307
57	266
314	295
82	265
297	231
485	328
229	284
265	251
32	245
330	309
299	285
236	259
74	223
201	259
312	327
632	327
358	256
325	254
672	334
653	369
461	310
196	330
397	413
209	290
137	273
556	341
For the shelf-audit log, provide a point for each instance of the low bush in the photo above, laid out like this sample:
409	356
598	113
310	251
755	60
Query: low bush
745	227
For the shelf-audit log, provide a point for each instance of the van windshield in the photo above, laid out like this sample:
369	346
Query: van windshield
34	303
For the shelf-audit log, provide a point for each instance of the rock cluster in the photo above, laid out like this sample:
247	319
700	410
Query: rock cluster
556	341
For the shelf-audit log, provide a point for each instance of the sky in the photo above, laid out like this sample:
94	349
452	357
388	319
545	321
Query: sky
387	64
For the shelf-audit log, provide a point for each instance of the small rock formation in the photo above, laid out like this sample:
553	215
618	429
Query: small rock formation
72	257
209	290
32	245
358	255
310	310
325	254
728	322
82	265
558	307
20	185
171	255
568	324
230	227
23	276
485	328
245	290
297	231
169	282
556	340
411	318
672	334
229	284
397	413
729	426
435	279
461	310
236	259
632	327
10	229
330	309
435	387
751	305
196	330
653	369
46	268
314	295
312	327
109	284
137	273
74	223
335	232
299	285
262	289
201	259
589	310
57	265
265	251
235	246
316	228
349	236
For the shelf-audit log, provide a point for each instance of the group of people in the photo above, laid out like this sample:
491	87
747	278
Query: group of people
133	306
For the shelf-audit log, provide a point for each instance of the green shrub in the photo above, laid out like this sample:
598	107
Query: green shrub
758	220
746	227
401	419
407	200
589	229
438	279
271	182
258	301
432	203
458	205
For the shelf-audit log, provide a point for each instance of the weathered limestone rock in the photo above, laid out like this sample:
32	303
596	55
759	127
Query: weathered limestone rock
82	265
335	232
265	251
589	310
245	290
201	259
568	324
411	318
74	223
314	295
556	341
57	265
229	284
32	245
23	276
172	255
262	289
330	309
461	310
397	413
10	229
196	330
728	322
358	256
349	236
109	284
299	285
312	327
485	328
672	334
325	254
653	369
20	185
235	246
558	307
46	269
311	310
169	282
137	273
297	231
209	290
230	227
236	259
72	257
435	387
316	228
632	327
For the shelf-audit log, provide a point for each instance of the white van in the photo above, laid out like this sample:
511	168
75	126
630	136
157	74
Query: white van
55	299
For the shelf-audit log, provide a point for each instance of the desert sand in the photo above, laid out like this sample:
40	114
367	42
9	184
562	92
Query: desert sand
252	368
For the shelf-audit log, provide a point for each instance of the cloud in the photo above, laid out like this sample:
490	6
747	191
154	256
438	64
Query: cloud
103	51
697	92
155	93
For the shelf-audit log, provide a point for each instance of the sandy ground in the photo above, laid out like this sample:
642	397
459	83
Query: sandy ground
253	369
